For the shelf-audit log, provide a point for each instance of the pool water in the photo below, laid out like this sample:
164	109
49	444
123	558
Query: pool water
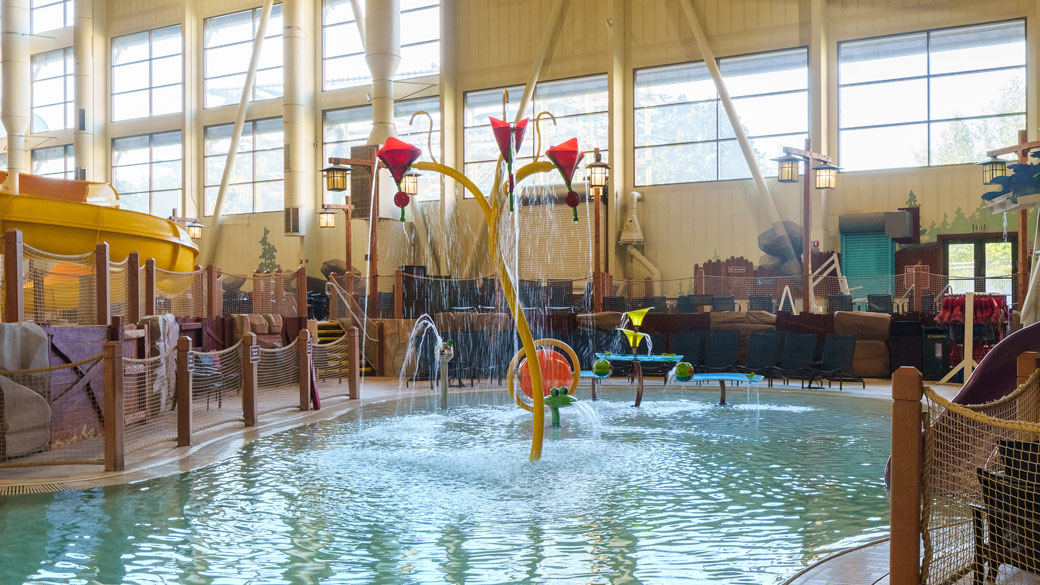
678	491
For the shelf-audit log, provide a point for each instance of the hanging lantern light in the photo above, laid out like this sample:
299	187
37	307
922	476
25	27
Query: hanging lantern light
826	176
336	177
195	230
787	168
992	168
326	219
599	171
410	182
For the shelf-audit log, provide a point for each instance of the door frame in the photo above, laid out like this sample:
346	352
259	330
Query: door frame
980	267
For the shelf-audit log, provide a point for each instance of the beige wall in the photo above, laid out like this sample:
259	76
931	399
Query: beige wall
496	44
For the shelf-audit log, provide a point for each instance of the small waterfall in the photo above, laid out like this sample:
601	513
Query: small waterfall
424	325
588	414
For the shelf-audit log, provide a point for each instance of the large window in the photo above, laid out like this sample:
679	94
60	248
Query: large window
228	45
147	74
57	162
53	91
256	179
931	98
683	134
580	108
146	172
351	126
343	54
50	15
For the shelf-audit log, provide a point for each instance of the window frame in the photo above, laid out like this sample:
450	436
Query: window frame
251	124
438	130
68	14
268	38
352	23
718	140
150	87
69	161
67	57
927	77
530	129
151	161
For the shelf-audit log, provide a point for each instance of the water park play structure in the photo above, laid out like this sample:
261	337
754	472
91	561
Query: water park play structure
72	217
399	158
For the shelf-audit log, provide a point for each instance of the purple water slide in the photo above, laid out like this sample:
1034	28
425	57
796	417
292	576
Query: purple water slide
997	374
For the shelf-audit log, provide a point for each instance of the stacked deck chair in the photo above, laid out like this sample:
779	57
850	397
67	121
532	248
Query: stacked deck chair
721	352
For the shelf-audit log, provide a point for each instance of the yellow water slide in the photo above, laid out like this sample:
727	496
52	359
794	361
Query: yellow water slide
72	217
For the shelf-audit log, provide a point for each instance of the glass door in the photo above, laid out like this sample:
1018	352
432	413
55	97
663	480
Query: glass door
980	263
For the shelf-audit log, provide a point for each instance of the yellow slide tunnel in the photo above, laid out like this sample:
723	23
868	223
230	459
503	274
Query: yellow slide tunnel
72	217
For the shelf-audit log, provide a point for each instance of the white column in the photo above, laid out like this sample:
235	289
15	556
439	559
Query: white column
297	111
819	128
383	54
83	55
14	102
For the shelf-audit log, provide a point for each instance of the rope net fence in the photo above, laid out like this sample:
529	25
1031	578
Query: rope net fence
278	378
981	479
59	289
259	293
149	400
180	293
331	362
118	293
53	415
216	387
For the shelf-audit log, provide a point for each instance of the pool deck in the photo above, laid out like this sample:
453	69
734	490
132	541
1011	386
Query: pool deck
863	566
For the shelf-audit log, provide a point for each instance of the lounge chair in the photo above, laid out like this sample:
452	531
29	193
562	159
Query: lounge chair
836	365
721	352
796	357
762	351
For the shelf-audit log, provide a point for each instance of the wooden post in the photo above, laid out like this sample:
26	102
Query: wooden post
185	367
905	544
249	377
648	287
808	295
133	287
103	284
698	281
304	350
112	355
608	283
1028	362
920	281
14	287
301	292
597	291
214	292
149	287
353	363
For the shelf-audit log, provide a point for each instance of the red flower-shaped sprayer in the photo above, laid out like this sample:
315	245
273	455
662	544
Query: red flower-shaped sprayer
398	157
567	156
509	137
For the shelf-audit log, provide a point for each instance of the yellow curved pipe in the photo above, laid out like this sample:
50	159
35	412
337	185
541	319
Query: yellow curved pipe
522	328
534	168
69	228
